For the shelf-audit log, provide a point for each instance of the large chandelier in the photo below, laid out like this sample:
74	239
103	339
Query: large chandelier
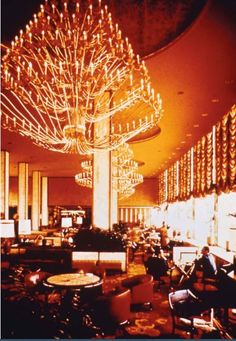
124	173
73	84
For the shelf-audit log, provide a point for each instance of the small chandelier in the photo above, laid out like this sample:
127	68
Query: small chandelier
124	174
73	84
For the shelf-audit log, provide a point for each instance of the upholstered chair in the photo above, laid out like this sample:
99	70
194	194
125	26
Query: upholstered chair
112	309
186	310
141	287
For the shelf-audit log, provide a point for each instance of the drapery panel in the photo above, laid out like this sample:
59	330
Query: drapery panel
172	183
212	168
161	190
185	176
225	152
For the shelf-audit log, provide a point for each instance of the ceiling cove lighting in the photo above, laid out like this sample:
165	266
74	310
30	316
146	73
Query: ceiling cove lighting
68	74
124	173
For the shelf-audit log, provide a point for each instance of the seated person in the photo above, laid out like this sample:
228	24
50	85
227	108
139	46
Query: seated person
203	275
157	265
206	263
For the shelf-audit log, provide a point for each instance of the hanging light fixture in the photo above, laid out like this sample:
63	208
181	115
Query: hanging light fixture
73	84
124	174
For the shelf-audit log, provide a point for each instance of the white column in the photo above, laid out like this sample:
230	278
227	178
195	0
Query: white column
44	203
36	196
101	190
135	215
4	192
23	189
145	215
104	199
148	216
140	215
122	214
126	215
114	207
113	196
131	215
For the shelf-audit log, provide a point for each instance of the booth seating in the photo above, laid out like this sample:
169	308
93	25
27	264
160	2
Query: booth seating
112	309
141	287
110	261
53	260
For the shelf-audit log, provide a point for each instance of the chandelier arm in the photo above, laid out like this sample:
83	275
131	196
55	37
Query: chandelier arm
49	92
63	65
124	179
22	120
41	113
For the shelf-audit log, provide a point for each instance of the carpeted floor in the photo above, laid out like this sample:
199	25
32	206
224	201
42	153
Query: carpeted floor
145	322
25	315
157	322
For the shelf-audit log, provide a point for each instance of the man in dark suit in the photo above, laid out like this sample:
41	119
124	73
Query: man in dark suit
206	263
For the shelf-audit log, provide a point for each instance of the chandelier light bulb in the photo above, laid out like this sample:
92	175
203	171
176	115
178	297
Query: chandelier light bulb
124	172
68	74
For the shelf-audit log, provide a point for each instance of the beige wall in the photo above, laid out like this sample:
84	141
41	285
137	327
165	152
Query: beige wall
145	194
65	192
13	191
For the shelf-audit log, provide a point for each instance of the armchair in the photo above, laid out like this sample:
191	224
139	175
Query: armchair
185	307
141	287
112	309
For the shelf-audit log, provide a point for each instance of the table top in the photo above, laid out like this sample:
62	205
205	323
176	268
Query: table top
73	280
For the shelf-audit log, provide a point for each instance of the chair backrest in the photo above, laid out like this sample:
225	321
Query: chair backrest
113	307
120	305
184	303
177	296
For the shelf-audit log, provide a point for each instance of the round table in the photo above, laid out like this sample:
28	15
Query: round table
73	280
76	289
74	285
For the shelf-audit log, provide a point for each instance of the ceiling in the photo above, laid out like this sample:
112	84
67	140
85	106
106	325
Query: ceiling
193	69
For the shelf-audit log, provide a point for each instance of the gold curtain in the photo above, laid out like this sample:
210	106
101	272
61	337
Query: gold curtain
188	175
161	189
225	152
197	169
232	149
205	164
209	163
203	153
202	165
185	176
172	185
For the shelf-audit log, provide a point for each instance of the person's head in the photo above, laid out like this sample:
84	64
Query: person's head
205	250
16	216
